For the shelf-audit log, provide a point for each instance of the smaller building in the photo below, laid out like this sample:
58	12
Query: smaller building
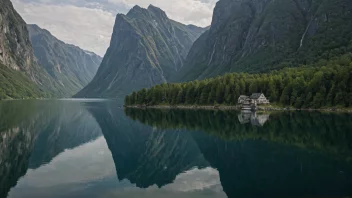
243	99
254	99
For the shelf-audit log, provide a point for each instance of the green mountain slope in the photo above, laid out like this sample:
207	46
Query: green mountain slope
16	85
70	66
259	36
147	48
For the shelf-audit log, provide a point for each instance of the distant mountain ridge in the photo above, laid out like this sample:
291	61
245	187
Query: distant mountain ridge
146	48
262	35
69	65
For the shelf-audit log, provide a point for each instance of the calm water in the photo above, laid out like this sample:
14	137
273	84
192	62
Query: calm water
96	149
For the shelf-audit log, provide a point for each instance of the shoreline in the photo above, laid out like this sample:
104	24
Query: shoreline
237	108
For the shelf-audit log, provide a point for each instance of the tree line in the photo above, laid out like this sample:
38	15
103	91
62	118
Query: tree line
324	84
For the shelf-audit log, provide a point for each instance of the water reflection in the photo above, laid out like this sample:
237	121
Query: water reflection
331	133
70	127
73	173
294	154
144	155
35	132
256	119
92	149
63	155
17	137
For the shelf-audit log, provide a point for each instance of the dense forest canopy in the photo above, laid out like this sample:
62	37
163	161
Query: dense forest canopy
324	84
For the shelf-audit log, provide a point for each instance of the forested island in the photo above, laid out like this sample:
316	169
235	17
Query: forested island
324	84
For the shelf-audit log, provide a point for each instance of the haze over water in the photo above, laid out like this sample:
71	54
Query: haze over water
73	148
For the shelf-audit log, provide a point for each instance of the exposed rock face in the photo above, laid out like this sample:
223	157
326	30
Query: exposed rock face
15	47
70	66
147	48
261	35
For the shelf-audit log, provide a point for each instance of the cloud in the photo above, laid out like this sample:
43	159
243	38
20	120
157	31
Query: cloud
89	23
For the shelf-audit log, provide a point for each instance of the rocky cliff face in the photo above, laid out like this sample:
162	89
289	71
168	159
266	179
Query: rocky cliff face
17	61
70	66
15	47
16	56
261	35
147	48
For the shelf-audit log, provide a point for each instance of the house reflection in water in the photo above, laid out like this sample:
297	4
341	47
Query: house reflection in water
253	118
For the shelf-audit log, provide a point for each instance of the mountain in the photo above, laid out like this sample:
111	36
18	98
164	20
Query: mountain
70	66
15	48
262	35
16	57
20	74
146	48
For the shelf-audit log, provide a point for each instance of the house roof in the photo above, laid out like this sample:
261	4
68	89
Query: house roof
256	95
243	97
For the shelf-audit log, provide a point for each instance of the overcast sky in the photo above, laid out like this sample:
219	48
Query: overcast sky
88	23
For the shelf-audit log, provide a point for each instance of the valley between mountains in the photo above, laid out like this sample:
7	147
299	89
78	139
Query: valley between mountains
296	52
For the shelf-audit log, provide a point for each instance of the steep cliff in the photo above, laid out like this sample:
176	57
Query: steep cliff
15	48
261	35
147	48
70	66
17	62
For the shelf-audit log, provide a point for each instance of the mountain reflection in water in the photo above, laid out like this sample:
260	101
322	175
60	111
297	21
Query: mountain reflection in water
92	149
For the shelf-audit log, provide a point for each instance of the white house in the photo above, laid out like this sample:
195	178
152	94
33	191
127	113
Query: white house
254	99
